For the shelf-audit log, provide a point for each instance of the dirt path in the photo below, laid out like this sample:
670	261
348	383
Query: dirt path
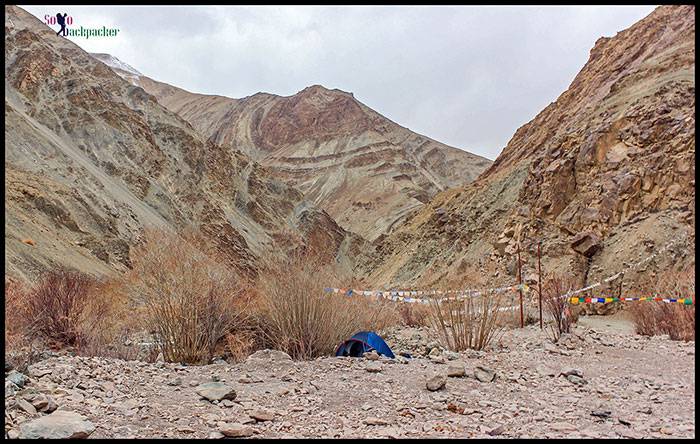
637	387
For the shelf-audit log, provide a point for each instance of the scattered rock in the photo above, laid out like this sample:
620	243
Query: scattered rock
577	380
262	415
456	370
572	371
60	424
484	374
374	367
375	421
436	383
10	389
16	378
601	413
497	431
236	430
26	406
371	355
215	391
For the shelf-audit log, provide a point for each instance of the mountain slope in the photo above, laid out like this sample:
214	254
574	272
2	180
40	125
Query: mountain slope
90	160
366	171
604	176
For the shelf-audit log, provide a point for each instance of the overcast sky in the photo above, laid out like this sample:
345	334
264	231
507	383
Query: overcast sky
465	76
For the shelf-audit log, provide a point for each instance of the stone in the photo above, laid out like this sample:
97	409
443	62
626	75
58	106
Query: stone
26	406
436	383
10	389
586	243
375	421
572	371
16	378
456	370
371	355
60	424
215	391
497	430
577	380
261	415
374	367
236	430
484	374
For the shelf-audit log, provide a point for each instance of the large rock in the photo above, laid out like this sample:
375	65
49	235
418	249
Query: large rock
586	244
58	425
215	391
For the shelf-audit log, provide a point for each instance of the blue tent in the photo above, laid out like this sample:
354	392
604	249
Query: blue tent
363	342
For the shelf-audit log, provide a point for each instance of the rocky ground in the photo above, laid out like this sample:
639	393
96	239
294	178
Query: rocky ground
600	381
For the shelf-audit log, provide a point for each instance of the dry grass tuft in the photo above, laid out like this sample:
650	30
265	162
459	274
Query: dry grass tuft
469	324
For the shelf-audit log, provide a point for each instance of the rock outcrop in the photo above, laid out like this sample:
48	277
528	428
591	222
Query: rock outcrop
604	176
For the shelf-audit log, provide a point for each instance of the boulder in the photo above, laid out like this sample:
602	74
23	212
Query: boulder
60	424
586	244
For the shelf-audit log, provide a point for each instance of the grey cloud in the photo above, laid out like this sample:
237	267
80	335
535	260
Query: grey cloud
466	76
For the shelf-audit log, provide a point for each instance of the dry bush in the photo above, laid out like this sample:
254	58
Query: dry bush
469	324
298	318
184	295
557	307
656	318
20	332
413	315
62	308
110	322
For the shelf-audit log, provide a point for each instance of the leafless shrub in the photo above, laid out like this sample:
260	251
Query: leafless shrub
557	307
299	318
413	315
20	332
655	318
61	307
469	324
184	295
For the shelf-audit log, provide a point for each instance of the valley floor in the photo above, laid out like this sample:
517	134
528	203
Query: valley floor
631	387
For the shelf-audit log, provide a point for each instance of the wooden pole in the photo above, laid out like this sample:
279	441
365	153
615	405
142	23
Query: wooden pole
520	290
539	279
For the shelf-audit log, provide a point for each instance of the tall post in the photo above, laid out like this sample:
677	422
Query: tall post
520	283
539	279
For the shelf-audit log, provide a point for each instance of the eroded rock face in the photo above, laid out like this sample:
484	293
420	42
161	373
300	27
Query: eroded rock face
367	172
91	159
613	157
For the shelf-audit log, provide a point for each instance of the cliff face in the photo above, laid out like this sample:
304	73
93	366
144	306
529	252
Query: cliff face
604	176
91	159
366	171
